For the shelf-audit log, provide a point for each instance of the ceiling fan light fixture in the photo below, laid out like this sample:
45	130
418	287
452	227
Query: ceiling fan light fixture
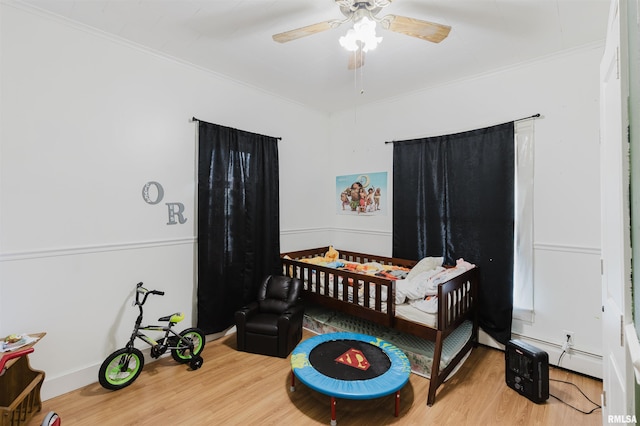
362	34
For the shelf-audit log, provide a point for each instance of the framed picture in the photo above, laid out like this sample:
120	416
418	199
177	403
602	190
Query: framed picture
362	194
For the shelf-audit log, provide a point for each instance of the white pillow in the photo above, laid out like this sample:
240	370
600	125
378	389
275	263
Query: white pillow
417	287
426	264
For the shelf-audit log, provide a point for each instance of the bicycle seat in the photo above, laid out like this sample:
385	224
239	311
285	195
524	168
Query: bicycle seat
174	318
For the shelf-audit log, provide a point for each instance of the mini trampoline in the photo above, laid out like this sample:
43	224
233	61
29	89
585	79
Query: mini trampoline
350	366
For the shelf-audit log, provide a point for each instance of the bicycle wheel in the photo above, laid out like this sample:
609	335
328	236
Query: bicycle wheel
183	354
121	368
196	362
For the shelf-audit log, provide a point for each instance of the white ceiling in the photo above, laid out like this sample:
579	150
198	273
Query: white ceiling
233	38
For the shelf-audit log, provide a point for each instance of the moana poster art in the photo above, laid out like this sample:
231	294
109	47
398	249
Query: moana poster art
362	194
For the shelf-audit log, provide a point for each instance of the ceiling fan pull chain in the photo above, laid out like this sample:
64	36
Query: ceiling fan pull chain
361	53
355	54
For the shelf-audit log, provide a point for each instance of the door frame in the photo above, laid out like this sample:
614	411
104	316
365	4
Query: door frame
618	397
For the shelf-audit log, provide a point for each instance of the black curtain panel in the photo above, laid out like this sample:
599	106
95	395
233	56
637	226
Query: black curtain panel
238	220
453	196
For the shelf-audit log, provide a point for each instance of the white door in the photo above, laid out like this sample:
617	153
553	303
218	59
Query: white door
618	397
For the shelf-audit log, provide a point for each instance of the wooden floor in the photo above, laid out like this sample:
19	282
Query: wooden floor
239	388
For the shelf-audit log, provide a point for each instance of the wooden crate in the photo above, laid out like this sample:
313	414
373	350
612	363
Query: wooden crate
19	392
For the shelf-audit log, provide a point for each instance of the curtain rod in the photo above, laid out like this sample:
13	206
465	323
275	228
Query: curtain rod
197	119
519	119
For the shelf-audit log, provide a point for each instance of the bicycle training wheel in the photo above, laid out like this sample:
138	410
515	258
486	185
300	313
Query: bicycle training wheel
183	354
121	368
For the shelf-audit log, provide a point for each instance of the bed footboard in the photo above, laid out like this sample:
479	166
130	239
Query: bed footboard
456	299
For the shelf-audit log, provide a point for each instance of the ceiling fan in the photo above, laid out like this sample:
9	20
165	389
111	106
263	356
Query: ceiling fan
361	11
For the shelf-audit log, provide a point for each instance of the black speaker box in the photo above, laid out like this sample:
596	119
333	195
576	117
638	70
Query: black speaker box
527	370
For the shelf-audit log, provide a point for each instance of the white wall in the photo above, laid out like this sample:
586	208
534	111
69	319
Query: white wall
565	90
86	121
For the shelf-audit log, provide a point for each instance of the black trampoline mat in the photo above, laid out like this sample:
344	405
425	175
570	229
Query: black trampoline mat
349	360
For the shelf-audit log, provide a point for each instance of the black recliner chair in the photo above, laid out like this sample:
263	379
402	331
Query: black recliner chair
272	325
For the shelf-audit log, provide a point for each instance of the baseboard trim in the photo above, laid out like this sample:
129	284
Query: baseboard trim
56	386
575	360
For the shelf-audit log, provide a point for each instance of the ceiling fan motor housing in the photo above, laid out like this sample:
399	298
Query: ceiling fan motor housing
356	10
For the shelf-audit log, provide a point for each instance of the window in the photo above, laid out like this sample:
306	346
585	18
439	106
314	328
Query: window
523	241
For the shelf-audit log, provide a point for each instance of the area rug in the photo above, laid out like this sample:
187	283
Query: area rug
419	351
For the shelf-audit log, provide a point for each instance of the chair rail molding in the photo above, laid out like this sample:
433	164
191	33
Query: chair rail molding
98	248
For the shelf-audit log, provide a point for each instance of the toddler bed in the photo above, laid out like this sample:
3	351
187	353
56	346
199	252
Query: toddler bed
419	298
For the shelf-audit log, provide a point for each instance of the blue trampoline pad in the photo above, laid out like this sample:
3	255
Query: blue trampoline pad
350	365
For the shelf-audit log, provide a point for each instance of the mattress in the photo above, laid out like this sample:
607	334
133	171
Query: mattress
408	312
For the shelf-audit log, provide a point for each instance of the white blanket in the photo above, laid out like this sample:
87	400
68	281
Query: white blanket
419	289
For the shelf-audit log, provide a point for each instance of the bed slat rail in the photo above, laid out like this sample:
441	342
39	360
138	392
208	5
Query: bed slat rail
455	300
368	258
348	291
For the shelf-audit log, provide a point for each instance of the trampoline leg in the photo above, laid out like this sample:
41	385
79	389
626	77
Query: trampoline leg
397	403
293	382
333	411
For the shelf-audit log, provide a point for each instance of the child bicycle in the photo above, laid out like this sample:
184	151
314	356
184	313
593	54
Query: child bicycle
123	366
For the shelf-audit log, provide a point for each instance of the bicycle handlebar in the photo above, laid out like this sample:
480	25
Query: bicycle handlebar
141	290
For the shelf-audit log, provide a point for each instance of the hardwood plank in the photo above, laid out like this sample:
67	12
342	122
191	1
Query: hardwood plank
240	388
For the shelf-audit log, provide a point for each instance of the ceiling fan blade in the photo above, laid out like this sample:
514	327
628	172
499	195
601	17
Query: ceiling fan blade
356	59
304	31
429	31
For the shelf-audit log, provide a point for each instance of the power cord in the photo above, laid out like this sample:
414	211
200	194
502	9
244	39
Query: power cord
597	406
565	348
564	351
